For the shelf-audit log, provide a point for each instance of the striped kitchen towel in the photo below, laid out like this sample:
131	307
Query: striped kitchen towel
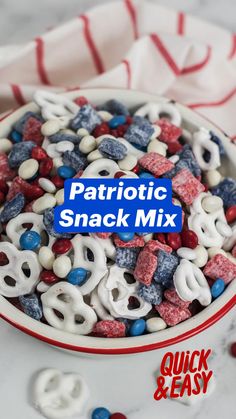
129	44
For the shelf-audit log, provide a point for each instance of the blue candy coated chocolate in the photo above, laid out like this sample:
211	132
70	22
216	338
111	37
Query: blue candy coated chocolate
31	306
66	172
30	240
86	118
12	208
137	328
116	121
77	276
217	288
101	413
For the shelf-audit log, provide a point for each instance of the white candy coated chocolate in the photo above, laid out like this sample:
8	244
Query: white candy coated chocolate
58	395
155	324
62	266
55	106
47	185
18	259
154	112
118	305
128	163
50	127
46	257
44	202
97	267
213	178
87	144
157	147
191	284
5	145
67	299
28	169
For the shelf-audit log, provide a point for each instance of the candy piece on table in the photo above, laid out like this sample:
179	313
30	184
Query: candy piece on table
137	328
109	329
126	258
217	288
32	131
87	117
172	314
145	267
112	149
58	395
187	186
31	306
139	132
153	293
30	240
155	163
233	349
166	266
226	190
155	324
201	142
220	267
169	132
191	284
154	111
74	160
19	153
118	415
128	240
13	280
53	304
154	245
172	296
12	208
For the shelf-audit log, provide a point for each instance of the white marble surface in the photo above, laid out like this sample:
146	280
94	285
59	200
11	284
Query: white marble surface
125	384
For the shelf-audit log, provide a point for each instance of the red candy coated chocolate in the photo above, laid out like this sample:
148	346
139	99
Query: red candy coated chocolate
233	349
101	129
81	101
231	214
118	415
154	245
6	173
174	240
109	329
169	132
61	246
48	277
45	167
38	153
58	181
189	239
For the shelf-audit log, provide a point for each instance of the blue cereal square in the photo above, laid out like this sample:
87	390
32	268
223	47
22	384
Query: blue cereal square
226	190
139	132
166	266
126	257
153	293
86	118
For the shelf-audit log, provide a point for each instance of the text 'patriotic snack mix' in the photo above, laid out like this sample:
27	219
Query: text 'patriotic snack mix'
107	284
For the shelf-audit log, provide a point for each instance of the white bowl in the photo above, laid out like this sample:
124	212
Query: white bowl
129	345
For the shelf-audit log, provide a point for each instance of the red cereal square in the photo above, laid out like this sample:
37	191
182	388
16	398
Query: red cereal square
186	186
154	245
109	329
6	173
145	267
103	235
156	163
169	133
234	251
220	267
172	296
32	131
172	314
138	241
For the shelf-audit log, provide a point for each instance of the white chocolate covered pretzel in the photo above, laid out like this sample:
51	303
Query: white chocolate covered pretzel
114	291
15	229
58	395
54	106
75	316
191	284
21	274
154	112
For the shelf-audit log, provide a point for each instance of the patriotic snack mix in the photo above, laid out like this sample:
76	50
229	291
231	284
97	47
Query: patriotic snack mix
105	284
